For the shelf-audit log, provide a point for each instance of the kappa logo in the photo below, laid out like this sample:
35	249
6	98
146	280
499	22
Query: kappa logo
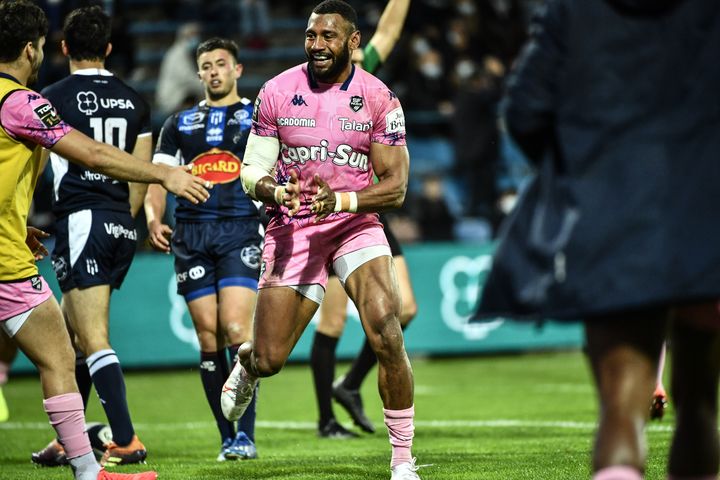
298	100
207	365
87	102
356	103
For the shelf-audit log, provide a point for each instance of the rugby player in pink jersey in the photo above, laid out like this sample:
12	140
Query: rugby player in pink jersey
320	132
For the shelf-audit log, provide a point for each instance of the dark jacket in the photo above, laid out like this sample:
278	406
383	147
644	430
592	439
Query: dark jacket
618	102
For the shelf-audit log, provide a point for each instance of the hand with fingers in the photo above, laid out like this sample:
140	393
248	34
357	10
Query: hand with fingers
33	242
323	202
289	197
182	183
159	236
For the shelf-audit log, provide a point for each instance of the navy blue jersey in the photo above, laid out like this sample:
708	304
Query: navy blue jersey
102	107
213	139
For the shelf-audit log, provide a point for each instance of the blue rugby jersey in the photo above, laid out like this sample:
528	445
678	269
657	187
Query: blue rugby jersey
213	139
103	107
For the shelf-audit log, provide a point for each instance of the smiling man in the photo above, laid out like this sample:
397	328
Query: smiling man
216	246
320	131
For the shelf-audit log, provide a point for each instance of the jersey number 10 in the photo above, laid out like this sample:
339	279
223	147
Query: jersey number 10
104	130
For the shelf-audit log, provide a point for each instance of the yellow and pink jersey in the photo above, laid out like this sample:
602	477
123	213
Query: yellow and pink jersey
28	122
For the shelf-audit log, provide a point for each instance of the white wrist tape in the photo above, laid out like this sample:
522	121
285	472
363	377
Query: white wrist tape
346	202
279	193
261	154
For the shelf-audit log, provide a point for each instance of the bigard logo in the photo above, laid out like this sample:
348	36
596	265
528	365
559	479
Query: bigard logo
217	166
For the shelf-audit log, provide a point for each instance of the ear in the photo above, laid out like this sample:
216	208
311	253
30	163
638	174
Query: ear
64	48
355	39
238	70
30	51
108	50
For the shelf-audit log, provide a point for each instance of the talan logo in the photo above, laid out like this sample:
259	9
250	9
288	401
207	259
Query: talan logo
298	100
46	114
356	103
348	124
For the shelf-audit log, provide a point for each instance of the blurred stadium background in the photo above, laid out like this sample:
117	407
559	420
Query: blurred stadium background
526	415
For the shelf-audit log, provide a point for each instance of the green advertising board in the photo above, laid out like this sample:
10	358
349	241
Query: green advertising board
150	325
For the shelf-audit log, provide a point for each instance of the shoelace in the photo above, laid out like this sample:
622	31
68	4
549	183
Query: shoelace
410	474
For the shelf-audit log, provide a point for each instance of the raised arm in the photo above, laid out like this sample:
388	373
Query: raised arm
389	27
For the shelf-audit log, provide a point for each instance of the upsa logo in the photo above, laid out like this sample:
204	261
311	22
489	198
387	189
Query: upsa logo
217	166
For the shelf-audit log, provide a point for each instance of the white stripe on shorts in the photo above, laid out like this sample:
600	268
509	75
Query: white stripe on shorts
79	224
13	324
350	262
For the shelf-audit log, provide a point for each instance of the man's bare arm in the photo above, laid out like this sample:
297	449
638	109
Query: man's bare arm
143	152
389	27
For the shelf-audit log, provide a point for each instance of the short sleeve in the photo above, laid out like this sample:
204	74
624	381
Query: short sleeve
145	121
264	117
167	150
389	123
29	116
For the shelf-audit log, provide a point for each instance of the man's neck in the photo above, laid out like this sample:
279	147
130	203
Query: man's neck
76	65
229	99
20	74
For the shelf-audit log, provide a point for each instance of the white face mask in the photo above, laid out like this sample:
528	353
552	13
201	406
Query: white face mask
431	70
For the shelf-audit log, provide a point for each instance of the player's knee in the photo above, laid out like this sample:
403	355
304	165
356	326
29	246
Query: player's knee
409	310
267	365
207	340
387	341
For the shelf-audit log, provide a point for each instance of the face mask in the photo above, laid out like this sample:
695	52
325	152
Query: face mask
464	69
431	70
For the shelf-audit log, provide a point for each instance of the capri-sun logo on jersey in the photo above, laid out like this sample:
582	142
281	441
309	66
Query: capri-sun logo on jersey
343	155
217	166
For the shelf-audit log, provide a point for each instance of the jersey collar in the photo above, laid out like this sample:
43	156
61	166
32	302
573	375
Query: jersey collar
344	86
93	71
9	77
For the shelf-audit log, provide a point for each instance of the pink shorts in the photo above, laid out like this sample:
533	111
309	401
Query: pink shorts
302	255
19	297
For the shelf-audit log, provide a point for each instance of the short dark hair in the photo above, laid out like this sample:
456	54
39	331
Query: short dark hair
20	22
341	8
87	33
216	43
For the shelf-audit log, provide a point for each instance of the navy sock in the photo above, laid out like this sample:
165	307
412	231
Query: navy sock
322	362
107	377
83	378
213	378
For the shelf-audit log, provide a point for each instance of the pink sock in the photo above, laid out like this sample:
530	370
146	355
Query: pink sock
67	417
617	472
401	429
4	369
701	477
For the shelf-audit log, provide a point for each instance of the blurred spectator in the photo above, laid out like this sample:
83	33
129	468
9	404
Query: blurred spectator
254	23
178	84
433	215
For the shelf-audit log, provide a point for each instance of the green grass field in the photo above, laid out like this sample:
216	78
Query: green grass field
512	417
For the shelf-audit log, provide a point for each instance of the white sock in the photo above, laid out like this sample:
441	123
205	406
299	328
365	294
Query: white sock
85	467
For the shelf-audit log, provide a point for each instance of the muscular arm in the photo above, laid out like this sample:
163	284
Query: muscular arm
389	27
143	152
113	162
391	165
158	233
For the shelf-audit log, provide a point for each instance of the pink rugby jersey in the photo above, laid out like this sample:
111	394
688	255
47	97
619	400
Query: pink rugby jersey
327	129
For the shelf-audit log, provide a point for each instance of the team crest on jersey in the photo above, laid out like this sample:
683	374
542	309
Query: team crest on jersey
87	102
61	268
256	108
217	166
47	115
356	103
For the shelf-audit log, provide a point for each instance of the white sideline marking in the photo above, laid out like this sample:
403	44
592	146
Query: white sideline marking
498	423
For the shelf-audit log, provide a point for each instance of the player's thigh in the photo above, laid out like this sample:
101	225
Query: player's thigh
236	306
87	311
204	314
45	340
408	308
8	349
281	315
333	309
373	287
